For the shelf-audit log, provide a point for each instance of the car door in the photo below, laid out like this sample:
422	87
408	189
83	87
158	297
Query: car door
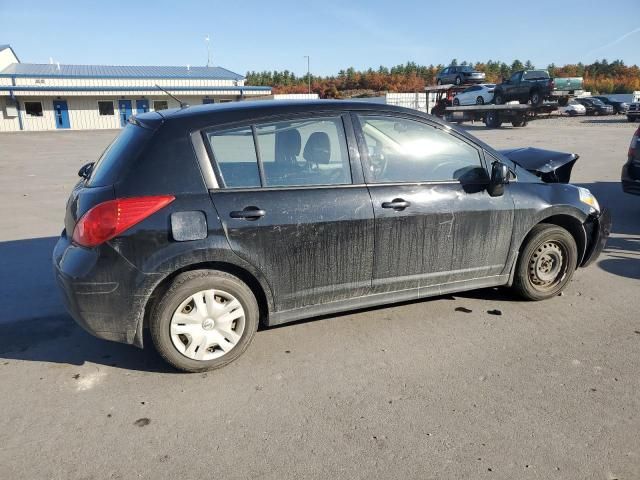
293	204
435	223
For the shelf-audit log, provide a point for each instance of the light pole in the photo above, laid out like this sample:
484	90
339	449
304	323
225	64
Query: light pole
308	72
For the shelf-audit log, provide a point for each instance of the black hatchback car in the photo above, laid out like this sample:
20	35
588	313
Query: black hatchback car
198	223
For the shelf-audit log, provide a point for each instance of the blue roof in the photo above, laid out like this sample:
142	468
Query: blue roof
114	71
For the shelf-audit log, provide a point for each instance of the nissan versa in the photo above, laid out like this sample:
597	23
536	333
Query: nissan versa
198	223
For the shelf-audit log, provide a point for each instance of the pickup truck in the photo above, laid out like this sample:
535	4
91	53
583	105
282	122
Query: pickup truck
524	86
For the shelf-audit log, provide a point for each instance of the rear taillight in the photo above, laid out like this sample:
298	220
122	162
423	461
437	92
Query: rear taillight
109	219
634	143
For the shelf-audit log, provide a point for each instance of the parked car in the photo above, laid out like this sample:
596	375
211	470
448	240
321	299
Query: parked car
525	86
459	75
618	105
198	223
475	95
633	112
631	169
595	106
573	108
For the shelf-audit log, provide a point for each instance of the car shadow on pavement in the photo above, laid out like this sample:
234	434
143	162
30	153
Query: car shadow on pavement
606	120
34	325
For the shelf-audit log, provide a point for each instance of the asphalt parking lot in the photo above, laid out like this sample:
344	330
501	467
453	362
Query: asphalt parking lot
418	390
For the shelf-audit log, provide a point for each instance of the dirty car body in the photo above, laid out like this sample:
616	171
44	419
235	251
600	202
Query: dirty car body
316	207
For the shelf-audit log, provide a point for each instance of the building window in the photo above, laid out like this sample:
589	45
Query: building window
33	109
160	105
105	108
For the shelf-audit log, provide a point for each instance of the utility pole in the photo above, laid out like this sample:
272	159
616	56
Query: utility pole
206	39
308	71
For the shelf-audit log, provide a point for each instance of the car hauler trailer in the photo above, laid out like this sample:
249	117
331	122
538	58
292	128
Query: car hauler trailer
492	115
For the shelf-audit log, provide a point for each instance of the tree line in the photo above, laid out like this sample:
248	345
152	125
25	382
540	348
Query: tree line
599	77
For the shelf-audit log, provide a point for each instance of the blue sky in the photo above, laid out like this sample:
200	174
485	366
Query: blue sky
252	35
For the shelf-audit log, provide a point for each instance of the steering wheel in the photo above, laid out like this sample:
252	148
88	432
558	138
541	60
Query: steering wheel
378	162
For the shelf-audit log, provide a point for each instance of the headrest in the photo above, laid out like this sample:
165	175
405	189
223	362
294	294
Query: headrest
318	148
288	143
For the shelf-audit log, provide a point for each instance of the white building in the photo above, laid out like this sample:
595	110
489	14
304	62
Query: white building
54	96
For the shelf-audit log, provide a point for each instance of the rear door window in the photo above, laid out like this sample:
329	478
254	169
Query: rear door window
308	152
281	154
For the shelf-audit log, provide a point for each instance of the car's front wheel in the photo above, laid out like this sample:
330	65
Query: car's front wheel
546	263
205	320
479	101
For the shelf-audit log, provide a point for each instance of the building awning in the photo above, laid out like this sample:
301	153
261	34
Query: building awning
130	90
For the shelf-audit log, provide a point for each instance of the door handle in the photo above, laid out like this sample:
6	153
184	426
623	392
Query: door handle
396	204
248	213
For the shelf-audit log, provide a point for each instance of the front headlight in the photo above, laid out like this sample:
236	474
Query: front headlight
588	198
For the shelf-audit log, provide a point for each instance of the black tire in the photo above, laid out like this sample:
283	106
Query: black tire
519	123
456	102
563	101
535	98
458	81
498	98
181	288
479	101
630	119
545	243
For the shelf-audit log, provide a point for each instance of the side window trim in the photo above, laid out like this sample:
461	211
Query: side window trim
364	153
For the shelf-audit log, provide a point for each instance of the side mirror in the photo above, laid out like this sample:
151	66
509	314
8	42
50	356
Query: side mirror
85	170
499	178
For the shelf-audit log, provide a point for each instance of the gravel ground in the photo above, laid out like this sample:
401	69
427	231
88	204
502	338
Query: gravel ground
417	390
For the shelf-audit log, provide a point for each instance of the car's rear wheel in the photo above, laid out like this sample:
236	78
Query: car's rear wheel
498	99
535	98
546	262
205	320
456	101
458	81
479	101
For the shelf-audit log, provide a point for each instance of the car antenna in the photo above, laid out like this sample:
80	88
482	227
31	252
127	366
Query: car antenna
182	104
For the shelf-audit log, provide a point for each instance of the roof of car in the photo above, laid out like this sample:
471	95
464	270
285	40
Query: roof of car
274	107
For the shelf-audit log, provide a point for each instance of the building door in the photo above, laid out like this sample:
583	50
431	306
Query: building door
125	111
61	111
142	106
207	100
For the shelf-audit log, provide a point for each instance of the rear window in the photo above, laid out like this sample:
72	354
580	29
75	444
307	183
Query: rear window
536	75
125	148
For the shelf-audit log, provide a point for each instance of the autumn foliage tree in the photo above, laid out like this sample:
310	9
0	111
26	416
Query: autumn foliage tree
600	76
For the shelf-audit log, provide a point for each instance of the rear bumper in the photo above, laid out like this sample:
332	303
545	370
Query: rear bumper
100	290
598	228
